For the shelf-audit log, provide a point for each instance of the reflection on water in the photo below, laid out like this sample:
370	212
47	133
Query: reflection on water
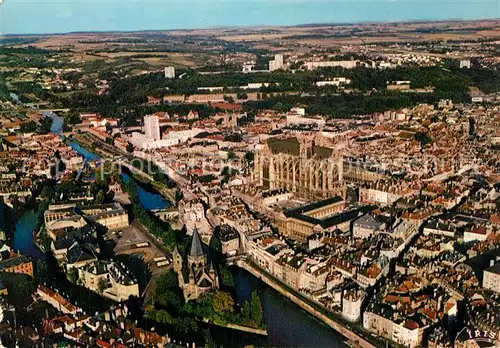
87	155
23	235
149	199
287	324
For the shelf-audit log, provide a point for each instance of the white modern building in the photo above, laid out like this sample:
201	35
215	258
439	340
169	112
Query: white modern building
465	64
141	141
152	127
336	81
346	64
169	72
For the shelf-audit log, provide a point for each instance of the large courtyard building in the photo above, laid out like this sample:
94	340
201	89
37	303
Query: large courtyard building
300	166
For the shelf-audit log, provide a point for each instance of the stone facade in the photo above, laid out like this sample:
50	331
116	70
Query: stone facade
119	286
299	166
196	275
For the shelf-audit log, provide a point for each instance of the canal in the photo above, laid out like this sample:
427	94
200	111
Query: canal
287	324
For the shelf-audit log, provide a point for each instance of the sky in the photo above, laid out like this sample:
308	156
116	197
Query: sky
59	16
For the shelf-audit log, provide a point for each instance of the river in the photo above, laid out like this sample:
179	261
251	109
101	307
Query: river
57	122
287	324
23	236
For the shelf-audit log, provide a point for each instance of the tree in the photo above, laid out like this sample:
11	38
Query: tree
246	312
100	197
423	138
101	285
231	155
229	99
227	277
28	127
256	308
73	274
73	118
178	195
45	124
222	302
219	122
279	106
242	96
162	316
130	147
47	191
166	282
249	157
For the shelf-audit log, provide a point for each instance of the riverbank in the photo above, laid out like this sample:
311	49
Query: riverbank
248	329
144	179
354	338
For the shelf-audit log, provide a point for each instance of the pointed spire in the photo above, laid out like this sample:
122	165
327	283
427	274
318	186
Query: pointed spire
196	249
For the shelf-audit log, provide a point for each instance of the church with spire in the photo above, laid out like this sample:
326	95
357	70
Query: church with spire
196	273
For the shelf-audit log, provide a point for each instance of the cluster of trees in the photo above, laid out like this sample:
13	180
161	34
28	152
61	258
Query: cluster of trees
152	169
155	226
450	79
169	307
344	105
423	138
127	95
104	176
28	127
4	91
215	306
26	87
31	50
73	275
45	125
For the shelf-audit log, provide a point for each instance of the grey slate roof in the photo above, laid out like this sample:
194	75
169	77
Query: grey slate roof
196	249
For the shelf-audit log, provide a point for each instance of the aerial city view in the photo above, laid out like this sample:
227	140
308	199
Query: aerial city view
249	174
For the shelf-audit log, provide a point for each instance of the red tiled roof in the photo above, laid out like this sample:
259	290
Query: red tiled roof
412	325
495	219
479	230
227	106
103	344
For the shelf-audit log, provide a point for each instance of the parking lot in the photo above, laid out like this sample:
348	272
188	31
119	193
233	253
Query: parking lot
135	239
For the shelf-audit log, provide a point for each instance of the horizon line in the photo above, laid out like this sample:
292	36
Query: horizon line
311	24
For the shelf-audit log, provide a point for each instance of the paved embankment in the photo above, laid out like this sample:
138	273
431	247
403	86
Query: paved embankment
262	332
350	335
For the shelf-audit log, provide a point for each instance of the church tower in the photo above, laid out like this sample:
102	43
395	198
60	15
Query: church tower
177	261
196	255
